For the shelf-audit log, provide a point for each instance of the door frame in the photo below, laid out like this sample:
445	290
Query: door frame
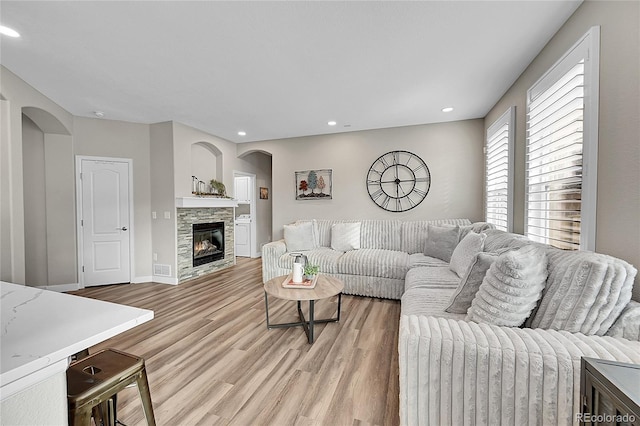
79	234
253	253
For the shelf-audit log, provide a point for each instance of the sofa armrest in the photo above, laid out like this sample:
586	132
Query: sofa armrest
457	372
271	253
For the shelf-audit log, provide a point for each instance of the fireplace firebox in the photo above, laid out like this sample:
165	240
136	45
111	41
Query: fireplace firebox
208	242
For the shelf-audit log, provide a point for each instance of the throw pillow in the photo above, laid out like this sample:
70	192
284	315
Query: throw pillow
465	251
441	241
627	325
585	293
511	289
470	283
300	236
345	236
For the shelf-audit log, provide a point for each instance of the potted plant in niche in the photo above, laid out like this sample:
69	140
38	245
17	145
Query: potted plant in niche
310	271
218	188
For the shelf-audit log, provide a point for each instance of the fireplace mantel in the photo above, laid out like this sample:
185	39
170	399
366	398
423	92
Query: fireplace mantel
205	202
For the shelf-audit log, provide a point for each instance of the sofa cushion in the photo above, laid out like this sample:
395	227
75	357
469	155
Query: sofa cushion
324	257
465	252
497	240
431	277
627	325
300	236
470	283
427	301
345	236
441	241
512	287
585	292
374	263
419	259
381	234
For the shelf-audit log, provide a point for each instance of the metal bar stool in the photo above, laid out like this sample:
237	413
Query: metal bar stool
94	380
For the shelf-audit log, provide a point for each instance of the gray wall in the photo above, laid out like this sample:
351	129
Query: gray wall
110	138
452	151
618	206
57	124
35	212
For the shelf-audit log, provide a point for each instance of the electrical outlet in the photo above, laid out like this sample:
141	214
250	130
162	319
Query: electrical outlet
155	257
154	215
167	215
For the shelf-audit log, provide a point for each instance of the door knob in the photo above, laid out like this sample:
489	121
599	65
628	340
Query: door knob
124	228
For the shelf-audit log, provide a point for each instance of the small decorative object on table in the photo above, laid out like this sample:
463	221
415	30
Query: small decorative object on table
311	271
306	282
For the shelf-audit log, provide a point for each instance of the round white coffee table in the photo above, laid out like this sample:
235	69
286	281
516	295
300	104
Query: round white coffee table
326	287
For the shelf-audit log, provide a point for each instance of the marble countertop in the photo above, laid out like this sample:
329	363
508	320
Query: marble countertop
41	329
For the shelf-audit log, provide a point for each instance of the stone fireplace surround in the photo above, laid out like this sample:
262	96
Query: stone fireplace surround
185	218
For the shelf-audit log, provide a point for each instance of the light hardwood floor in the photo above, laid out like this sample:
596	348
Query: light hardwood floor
211	359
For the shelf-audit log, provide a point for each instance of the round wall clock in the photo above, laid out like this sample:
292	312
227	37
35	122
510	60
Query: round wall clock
398	181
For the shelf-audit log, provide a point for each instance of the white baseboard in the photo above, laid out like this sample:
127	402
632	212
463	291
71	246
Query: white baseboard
137	280
61	288
164	280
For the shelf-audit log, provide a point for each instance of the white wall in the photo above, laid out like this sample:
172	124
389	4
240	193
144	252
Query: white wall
618	205
452	151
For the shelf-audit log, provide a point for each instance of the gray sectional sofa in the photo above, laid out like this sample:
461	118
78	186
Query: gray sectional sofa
496	342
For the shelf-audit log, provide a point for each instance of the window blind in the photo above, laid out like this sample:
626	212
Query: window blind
554	161
498	177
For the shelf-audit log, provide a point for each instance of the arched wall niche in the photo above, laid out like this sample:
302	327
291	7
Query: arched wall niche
46	121
206	162
49	199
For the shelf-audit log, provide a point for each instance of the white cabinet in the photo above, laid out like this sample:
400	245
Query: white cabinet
242	189
243	239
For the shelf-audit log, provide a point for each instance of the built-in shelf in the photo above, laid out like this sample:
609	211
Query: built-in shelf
204	202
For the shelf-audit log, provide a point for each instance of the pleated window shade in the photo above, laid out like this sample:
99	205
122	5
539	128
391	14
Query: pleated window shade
554	172
498	172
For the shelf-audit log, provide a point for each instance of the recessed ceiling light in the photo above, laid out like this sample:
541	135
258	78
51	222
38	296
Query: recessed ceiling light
447	109
98	114
332	123
241	133
8	31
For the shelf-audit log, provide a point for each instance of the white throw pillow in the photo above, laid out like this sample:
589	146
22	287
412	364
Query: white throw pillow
465	252
511	289
345	236
300	236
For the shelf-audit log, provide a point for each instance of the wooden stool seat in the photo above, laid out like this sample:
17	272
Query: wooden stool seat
94	380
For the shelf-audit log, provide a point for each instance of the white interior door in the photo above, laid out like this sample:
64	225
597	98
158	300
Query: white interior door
105	222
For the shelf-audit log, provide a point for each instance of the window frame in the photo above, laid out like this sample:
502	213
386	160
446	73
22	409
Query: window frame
587	48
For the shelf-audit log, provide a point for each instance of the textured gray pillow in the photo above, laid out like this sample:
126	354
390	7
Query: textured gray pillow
470	283
627	325
441	241
345	236
465	251
300	236
512	287
585	293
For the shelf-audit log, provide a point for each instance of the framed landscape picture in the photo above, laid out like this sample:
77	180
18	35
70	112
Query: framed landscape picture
313	185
